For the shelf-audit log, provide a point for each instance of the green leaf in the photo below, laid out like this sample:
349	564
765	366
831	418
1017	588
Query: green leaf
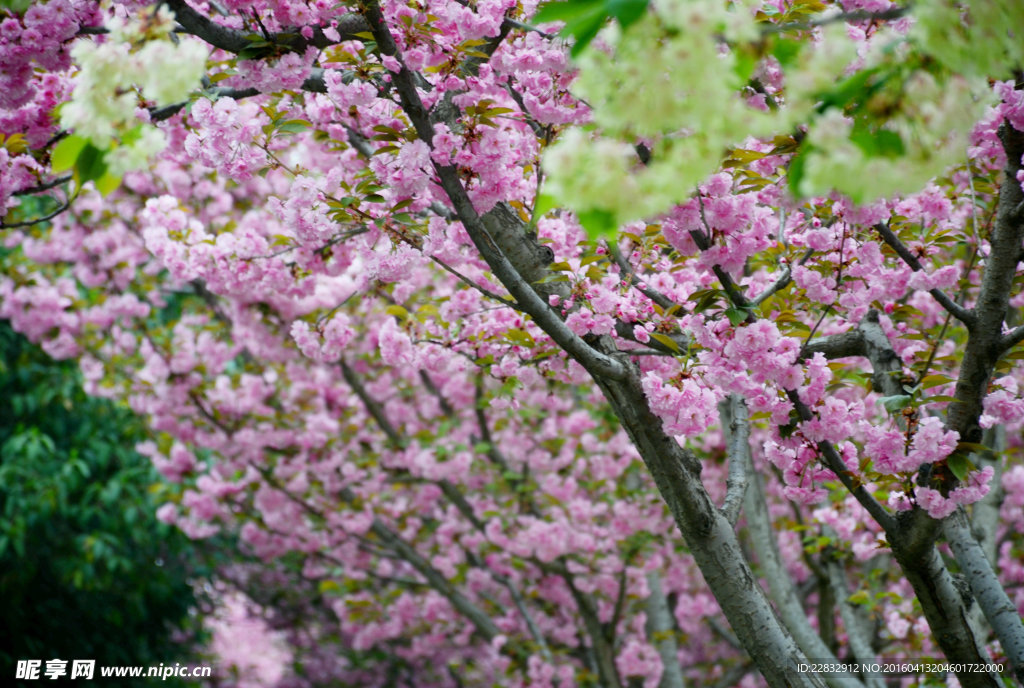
805	7
328	586
929	381
583	19
896	402
107	183
293	126
853	89
797	166
628	12
875	142
257	50
543	204
132	135
520	336
743	155
786	51
585	31
859	597
91	164
736	315
666	340
598	222
974	447
66	152
959	465
397	311
705	298
566	11
746	63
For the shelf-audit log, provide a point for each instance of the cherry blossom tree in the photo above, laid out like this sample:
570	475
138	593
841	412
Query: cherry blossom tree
611	344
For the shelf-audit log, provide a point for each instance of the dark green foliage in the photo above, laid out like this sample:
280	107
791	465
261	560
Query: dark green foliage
86	570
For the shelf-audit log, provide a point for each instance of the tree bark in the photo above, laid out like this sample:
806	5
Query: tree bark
660	627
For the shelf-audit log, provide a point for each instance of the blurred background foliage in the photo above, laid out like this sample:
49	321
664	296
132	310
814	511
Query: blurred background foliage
86	569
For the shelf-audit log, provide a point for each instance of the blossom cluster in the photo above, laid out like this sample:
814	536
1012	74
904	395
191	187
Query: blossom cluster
103	104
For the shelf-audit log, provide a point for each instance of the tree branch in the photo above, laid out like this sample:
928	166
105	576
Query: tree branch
886	366
45	218
703	242
235	41
784	279
855	15
761	537
732	291
947	615
660	630
483	290
860	644
620	605
498	226
834	462
962	314
314	83
627	271
372	406
480	620
520	602
1000	611
912	535
736	425
711	538
1012	338
604	654
984	341
45	186
985	514
850	343
493	453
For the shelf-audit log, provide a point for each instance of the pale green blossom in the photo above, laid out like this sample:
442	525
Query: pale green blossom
819	66
137	58
100	104
933	127
985	40
136	154
586	173
671	80
170	72
668	80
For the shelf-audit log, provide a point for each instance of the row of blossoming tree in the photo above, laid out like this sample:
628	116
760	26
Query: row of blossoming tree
615	344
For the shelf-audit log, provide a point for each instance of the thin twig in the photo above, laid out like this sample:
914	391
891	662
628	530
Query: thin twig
28	223
629	274
853	16
1011	338
483	290
783	281
44	187
965	316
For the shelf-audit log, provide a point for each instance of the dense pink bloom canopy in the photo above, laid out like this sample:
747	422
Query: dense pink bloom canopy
473	440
